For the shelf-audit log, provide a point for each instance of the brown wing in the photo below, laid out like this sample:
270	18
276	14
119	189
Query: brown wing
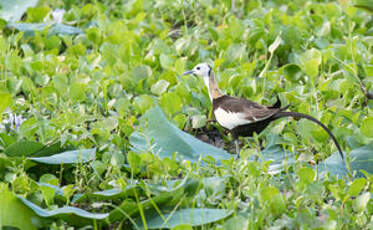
253	111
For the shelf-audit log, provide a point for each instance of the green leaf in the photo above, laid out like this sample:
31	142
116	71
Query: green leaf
68	157
367	127
12	10
6	101
198	121
361	202
278	157
19	216
192	216
53	29
37	14
23	148
361	159
70	214
168	139
238	222
310	61
160	87
306	175
334	165
292	72
141	72
164	195
109	194
166	61
171	103
364	4
357	186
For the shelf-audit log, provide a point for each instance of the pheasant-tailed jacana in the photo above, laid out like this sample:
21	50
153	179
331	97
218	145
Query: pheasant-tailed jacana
243	117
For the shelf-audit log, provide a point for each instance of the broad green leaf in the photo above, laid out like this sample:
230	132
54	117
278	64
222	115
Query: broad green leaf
6	100
37	14
334	165
238	222
356	186
367	127
171	103
53	29
68	157
141	72
105	194
12	10
73	215
311	67
166	61
364	4
143	103
292	72
168	139
361	159
198	121
306	175
19	216
310	62
163	195
23	148
160	87
190	216
362	201
277	155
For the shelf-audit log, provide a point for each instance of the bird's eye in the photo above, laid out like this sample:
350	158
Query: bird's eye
198	68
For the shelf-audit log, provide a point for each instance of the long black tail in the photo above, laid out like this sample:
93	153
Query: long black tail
308	117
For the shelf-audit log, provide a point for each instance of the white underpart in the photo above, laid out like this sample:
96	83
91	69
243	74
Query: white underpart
230	120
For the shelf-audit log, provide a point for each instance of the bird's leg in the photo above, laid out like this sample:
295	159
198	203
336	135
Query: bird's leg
237	143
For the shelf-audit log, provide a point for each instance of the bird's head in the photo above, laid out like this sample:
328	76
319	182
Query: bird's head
202	70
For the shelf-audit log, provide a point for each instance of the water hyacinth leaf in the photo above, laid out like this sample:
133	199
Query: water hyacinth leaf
171	103
73	215
6	101
105	194
20	217
311	60
361	159
364	4
238	222
160	87
37	14
12	10
168	139
23	148
334	165
68	157
277	155
367	127
141	72
169	194
53	29
193	217
198	121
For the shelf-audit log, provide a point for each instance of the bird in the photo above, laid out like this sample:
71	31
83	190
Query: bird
243	117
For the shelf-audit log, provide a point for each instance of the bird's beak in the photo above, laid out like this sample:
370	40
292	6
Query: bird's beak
188	72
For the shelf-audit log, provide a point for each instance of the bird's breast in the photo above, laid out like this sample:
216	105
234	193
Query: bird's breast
230	120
